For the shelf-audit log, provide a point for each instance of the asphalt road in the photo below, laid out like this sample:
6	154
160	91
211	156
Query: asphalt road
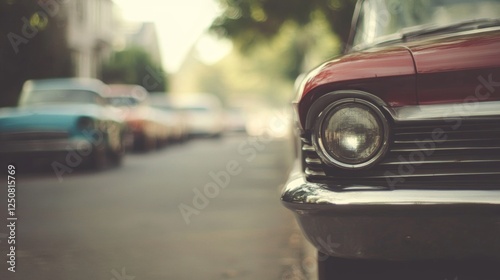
159	216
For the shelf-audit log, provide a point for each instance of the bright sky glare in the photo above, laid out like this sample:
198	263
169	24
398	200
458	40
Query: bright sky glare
179	24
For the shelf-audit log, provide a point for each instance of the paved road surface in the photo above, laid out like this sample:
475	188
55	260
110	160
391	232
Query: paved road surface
125	223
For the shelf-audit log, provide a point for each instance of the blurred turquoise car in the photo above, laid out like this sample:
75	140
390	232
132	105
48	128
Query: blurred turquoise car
62	122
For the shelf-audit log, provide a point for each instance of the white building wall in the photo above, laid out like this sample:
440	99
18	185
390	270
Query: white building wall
90	34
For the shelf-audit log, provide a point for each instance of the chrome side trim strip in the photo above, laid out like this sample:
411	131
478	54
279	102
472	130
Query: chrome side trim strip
442	161
480	110
443	149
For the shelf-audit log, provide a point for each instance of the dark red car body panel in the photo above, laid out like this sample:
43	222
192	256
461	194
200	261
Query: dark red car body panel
458	69
448	69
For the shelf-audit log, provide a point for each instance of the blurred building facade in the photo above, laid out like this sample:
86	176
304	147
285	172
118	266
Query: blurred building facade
96	28
90	29
143	35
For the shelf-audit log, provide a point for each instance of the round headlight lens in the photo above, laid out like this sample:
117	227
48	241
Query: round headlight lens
352	134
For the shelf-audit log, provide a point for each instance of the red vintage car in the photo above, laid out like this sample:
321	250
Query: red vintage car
400	139
145	123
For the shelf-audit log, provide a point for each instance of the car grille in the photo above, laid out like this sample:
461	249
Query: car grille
445	155
33	135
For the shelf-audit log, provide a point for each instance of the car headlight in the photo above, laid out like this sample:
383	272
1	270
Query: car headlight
351	134
85	123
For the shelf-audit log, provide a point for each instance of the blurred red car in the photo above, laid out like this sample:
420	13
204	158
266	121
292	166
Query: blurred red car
400	138
144	122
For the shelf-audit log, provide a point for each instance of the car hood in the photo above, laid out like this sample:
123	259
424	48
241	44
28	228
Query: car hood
437	69
388	72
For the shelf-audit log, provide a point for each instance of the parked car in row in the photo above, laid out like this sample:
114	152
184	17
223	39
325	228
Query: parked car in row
173	117
400	138
203	113
63	122
146	124
235	120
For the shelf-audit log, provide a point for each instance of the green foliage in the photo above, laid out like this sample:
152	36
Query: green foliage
250	21
33	46
268	70
253	22
135	66
269	54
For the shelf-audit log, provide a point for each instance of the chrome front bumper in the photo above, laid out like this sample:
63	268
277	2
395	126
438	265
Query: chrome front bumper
366	223
32	146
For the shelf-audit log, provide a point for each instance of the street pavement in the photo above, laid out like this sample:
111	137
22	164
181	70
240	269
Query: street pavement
205	209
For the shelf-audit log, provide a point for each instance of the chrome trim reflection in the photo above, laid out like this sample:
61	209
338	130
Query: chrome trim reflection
300	192
315	161
308	148
45	146
481	110
451	161
310	172
33	135
444	149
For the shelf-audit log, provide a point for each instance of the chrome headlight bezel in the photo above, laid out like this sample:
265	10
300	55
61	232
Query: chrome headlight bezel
319	137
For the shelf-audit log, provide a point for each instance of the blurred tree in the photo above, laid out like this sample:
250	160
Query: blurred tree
263	72
32	46
250	22
135	66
